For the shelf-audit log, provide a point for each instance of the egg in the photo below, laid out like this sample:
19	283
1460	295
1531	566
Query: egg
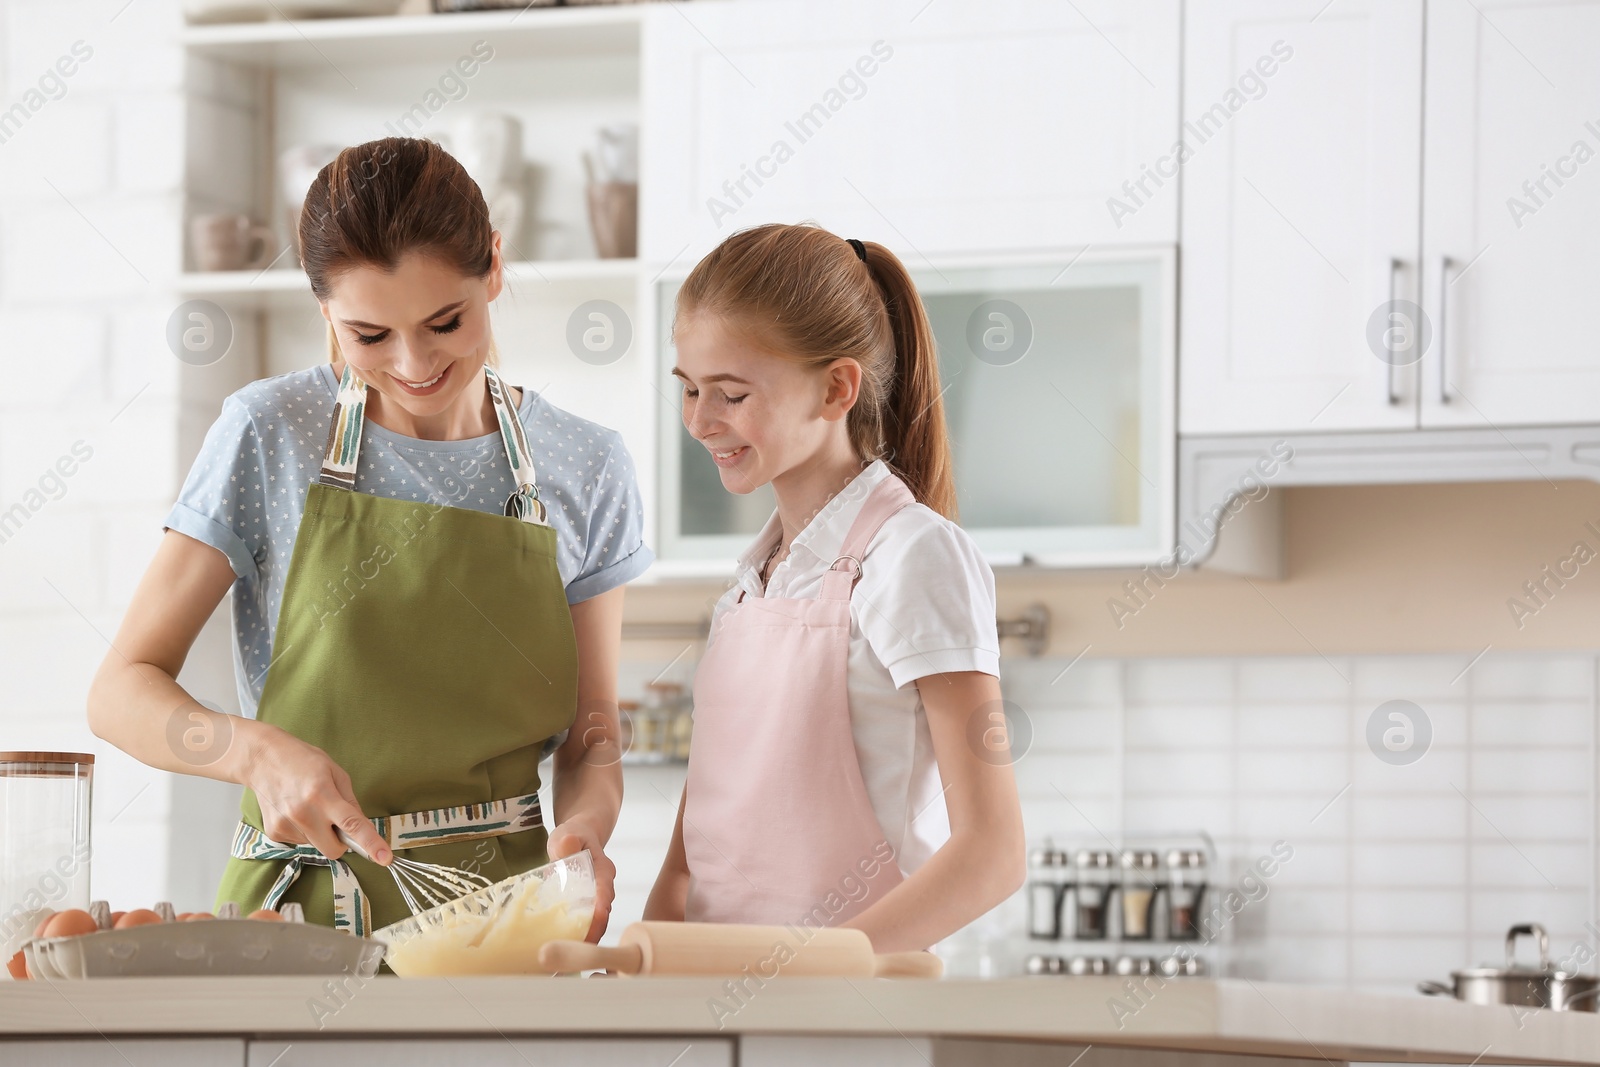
192	916
71	923
17	967
116	917
265	913
137	917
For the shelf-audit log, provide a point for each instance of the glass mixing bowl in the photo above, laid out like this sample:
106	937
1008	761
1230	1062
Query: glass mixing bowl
497	930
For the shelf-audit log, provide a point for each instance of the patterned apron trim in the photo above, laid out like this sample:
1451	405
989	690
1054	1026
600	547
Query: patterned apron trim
351	909
343	452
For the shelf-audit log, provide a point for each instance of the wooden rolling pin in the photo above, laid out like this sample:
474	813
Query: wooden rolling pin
729	949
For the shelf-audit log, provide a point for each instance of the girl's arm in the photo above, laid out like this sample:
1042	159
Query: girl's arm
136	704
985	860
587	790
667	896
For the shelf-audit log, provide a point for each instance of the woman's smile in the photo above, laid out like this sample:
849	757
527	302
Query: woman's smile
425	388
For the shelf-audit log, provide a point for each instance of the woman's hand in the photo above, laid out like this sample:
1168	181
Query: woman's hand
572	837
305	797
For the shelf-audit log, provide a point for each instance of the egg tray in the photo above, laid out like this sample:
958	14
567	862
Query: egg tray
226	945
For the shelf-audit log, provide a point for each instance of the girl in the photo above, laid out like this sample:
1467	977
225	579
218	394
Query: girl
426	566
849	763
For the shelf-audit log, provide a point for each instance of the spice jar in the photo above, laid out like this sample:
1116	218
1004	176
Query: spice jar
1091	890
1186	885
1047	884
44	839
1138	895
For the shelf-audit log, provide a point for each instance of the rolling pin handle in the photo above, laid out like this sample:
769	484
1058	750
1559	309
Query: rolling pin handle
908	965
565	957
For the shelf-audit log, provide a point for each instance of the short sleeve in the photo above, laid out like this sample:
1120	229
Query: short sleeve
222	502
931	609
613	550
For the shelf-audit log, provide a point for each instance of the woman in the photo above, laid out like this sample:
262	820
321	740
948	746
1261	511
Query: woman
849	692
427	569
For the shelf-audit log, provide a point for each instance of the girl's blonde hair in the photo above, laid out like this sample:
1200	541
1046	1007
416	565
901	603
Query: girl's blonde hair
379	200
813	299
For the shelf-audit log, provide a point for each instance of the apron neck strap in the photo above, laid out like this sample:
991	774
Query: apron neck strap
343	452
886	500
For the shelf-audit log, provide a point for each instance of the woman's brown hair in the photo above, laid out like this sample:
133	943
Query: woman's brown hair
379	200
807	293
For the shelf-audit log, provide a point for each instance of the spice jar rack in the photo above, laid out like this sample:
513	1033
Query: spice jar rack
658	728
1141	891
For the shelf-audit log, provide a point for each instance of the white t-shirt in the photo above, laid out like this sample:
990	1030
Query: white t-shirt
924	605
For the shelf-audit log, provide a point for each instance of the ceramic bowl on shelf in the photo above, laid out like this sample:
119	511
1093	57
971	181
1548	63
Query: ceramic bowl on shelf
208	11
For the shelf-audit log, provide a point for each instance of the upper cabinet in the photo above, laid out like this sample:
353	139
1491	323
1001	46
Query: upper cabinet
936	128
1386	227
1302	193
1013	154
1512	209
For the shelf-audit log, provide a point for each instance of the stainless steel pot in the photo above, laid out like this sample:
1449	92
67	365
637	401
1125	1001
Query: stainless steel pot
1521	986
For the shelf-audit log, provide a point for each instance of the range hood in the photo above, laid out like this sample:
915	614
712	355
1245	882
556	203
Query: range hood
1229	481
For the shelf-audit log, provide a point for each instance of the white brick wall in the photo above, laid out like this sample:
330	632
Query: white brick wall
90	242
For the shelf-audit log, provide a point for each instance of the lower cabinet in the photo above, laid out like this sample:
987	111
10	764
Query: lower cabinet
124	1052
494	1052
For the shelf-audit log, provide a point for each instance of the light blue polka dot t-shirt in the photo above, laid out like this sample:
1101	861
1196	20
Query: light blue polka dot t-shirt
246	492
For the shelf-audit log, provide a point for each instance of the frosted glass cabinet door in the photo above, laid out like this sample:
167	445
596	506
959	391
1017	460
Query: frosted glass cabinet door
1058	392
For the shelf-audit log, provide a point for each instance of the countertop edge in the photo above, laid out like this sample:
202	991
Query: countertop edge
1224	1015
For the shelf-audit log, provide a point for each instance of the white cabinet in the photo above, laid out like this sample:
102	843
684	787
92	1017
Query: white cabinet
690	1051
1512	202
1348	177
125	1052
1301	192
942	128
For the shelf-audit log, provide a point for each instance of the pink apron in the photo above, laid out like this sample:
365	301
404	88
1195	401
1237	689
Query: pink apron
777	824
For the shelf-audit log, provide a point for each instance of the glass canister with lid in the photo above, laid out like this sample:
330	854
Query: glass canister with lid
44	839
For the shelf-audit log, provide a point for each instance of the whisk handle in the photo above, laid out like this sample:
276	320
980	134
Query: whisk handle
565	957
350	843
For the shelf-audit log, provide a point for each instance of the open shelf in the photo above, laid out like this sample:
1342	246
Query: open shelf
598	30
287	285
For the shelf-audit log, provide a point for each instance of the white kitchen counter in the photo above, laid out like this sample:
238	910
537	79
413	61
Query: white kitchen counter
946	1017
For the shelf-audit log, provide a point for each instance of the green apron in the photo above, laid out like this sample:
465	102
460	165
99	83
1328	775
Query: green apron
428	649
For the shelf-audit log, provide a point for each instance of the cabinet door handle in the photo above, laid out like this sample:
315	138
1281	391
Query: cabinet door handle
1388	374
1445	263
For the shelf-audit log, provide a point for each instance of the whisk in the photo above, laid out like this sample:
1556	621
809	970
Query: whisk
426	885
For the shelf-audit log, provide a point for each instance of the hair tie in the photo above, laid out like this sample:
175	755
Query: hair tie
861	249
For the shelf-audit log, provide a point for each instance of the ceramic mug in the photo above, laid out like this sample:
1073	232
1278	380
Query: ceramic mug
230	242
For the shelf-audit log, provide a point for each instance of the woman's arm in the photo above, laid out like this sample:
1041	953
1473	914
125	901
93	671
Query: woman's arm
136	704
668	895
587	790
985	860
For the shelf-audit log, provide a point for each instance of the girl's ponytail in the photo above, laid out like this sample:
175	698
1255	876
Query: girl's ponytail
914	436
817	298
